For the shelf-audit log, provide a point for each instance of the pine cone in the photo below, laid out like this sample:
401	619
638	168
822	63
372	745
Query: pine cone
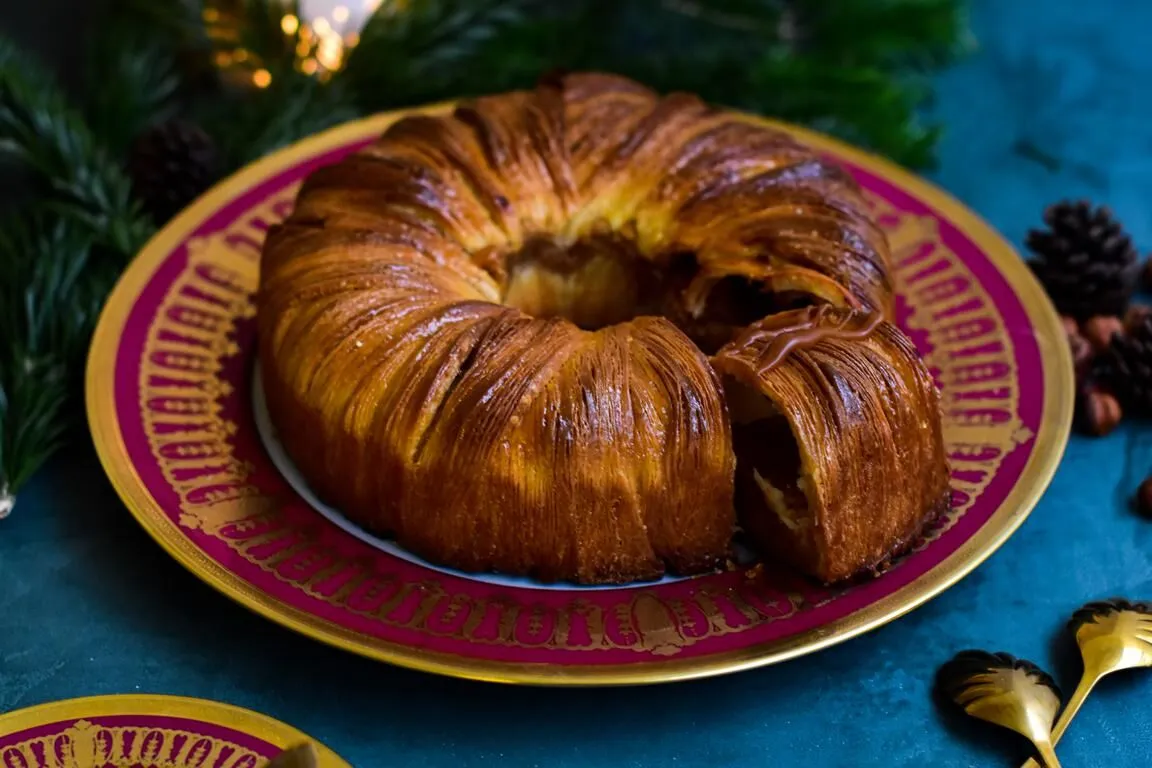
171	165
1126	367
1085	260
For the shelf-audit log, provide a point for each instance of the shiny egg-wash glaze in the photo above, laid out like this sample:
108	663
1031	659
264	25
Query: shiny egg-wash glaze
459	333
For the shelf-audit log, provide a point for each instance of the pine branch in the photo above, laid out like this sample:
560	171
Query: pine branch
862	105
855	68
40	129
131	82
179	22
415	52
740	15
889	34
255	123
50	296
56	265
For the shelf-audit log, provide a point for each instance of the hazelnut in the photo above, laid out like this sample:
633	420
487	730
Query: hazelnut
1071	325
1097	412
1136	315
1144	497
1100	329
1082	354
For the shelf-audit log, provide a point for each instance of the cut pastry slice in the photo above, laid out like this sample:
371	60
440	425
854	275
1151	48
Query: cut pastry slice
839	448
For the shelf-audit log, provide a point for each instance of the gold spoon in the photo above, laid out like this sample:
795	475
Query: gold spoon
1113	635
1005	691
300	756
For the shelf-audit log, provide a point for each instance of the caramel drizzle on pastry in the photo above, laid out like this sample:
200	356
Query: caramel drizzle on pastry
777	336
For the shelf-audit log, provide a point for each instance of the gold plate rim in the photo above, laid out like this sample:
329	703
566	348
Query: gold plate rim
1050	441
247	721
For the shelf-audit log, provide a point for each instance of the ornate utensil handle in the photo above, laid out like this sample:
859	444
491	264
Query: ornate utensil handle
1087	683
1047	754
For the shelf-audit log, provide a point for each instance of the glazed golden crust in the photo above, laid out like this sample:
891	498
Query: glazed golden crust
865	416
480	436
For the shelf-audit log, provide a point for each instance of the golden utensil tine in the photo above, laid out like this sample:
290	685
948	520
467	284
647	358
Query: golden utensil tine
300	756
1006	691
1112	637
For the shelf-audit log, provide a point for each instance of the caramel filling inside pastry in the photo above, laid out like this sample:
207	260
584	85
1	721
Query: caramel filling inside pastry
771	490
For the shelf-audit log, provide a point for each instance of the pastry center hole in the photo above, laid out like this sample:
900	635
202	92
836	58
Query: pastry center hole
593	283
603	280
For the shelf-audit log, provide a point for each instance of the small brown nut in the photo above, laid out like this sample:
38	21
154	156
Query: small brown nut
1100	329
1097	412
1071	325
1144	497
1082	354
1136	314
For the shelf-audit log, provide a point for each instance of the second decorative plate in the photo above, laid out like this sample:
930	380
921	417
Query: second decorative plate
174	413
141	730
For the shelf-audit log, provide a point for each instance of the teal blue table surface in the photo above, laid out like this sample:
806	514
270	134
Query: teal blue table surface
1054	104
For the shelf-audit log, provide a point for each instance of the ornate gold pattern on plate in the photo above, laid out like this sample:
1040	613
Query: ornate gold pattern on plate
192	361
971	353
85	745
149	731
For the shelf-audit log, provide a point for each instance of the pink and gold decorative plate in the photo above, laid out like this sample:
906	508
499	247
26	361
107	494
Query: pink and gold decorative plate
146	732
177	417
